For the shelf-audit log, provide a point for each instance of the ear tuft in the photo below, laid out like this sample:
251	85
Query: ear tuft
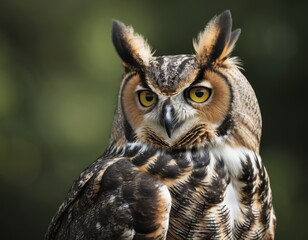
217	41
131	47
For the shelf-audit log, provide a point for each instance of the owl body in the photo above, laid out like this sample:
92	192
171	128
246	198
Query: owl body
183	159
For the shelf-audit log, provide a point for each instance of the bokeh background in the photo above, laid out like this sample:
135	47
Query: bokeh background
59	77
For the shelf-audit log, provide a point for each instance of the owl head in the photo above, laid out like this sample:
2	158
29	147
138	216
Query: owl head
185	101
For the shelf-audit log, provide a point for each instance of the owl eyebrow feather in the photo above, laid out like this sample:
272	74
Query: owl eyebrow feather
143	81
141	73
199	77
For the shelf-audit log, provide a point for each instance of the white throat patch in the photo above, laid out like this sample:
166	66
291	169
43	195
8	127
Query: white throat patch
233	157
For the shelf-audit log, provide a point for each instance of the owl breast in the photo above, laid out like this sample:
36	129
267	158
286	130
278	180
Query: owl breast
215	194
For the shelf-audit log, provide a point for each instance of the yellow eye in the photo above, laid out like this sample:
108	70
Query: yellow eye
199	94
147	98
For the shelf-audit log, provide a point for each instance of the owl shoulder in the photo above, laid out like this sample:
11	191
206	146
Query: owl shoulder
113	199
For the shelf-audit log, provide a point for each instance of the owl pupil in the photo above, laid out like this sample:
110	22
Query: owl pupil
199	93
149	97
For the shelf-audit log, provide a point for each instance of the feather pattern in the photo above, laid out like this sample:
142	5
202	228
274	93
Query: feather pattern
200	183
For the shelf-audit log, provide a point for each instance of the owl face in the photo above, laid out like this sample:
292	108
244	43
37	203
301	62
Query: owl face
182	101
174	103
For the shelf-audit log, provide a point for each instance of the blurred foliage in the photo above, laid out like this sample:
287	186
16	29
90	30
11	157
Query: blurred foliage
59	76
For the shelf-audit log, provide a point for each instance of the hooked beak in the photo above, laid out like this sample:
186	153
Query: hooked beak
168	118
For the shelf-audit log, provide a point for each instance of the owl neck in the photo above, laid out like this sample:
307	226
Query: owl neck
231	162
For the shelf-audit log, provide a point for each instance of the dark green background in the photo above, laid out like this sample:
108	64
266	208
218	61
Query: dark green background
59	77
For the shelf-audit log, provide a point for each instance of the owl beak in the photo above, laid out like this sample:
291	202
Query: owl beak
168	118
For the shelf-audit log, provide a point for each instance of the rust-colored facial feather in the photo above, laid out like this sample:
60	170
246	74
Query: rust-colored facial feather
132	111
218	106
196	136
151	137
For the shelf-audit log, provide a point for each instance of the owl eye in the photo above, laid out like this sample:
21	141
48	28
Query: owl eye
147	98
199	94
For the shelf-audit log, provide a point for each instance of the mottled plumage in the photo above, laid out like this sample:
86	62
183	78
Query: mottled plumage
183	158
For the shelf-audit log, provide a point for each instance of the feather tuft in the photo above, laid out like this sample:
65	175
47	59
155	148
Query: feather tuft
131	47
216	42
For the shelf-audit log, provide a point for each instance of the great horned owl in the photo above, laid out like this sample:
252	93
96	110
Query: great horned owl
183	158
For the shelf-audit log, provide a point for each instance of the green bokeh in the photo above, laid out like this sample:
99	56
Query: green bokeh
59	77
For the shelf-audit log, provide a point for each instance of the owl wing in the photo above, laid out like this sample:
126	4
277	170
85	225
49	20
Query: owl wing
113	199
